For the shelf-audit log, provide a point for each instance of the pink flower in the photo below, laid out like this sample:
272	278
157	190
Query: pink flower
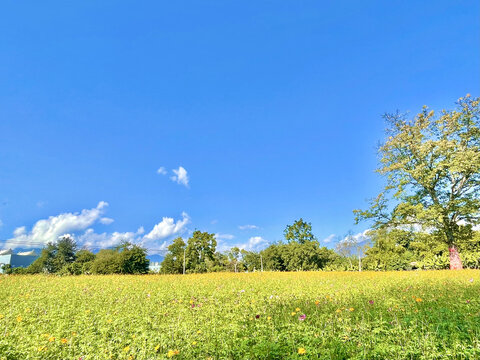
302	317
371	302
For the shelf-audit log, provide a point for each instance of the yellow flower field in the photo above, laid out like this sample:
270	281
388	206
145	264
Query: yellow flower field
304	315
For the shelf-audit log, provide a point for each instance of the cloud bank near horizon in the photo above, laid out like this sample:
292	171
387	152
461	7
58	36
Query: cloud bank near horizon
79	226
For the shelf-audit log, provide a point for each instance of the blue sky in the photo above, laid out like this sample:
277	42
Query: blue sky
272	108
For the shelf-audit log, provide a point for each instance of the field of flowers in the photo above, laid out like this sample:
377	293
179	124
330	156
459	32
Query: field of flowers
305	315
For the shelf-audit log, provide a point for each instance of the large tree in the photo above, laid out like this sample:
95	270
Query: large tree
55	255
174	259
200	251
300	231
432	167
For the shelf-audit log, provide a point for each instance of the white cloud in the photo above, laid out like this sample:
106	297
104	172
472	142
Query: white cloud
222	246
79	226
255	243
94	241
224	236
106	221
22	230
180	176
161	232
357	238
329	238
162	171
49	230
159	249
247	227
167	228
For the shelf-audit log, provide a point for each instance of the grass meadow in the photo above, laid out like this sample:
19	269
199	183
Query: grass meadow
304	315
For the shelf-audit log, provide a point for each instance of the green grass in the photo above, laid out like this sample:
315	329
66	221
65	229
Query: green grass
393	315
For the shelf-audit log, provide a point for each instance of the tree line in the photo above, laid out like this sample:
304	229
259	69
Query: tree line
300	251
64	258
394	249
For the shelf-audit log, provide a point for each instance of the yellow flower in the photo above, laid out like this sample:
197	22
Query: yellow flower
297	309
351	309
126	348
317	302
418	300
338	311
199	331
74	333
172	353
42	348
19	319
194	343
293	313
1	316
51	339
269	318
302	351
109	321
64	341
157	348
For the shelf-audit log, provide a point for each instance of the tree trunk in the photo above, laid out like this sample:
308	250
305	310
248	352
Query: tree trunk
455	261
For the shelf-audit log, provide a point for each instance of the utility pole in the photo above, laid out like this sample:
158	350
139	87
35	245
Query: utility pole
261	262
184	261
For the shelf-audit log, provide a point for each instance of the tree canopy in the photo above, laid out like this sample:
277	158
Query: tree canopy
300	232
432	168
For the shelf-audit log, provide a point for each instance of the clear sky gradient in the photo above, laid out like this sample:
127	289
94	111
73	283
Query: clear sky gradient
272	108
